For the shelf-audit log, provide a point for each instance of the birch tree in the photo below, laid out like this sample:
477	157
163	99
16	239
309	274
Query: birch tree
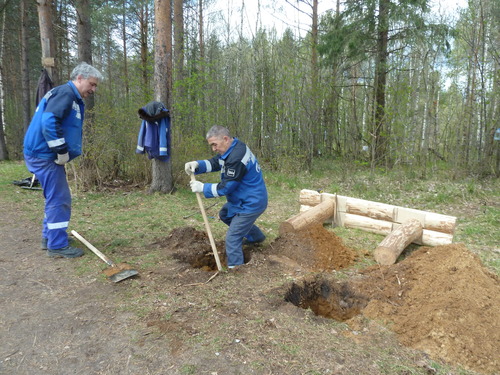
4	155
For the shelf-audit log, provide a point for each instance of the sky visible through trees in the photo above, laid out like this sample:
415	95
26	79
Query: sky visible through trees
293	14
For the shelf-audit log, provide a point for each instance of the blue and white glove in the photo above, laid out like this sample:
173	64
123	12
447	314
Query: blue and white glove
62	159
196	186
190	167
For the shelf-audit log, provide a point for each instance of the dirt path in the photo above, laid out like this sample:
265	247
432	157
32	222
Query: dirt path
55	322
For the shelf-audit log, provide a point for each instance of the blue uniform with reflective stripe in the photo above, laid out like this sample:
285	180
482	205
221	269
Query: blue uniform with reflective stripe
243	185
56	128
241	179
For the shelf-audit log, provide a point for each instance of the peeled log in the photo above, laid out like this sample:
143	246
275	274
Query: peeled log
315	215
393	245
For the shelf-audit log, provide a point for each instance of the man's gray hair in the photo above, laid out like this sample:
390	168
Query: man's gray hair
218	131
86	71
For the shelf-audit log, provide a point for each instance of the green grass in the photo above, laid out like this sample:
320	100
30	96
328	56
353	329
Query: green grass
113	220
117	220
188	369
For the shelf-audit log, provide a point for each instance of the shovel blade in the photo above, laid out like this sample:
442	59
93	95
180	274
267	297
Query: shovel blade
119	272
122	275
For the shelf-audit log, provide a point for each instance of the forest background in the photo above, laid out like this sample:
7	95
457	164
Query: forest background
384	84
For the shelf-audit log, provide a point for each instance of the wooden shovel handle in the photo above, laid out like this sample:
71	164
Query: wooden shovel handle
94	250
207	226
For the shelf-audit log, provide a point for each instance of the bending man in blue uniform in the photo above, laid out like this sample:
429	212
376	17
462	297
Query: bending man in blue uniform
243	185
54	137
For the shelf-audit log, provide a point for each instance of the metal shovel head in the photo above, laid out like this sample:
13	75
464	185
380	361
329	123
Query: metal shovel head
119	272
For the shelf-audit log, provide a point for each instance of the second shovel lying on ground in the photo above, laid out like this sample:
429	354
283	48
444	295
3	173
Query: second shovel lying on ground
115	272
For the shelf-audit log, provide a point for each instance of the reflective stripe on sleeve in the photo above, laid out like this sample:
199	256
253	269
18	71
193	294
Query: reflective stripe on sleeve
56	142
208	166
213	189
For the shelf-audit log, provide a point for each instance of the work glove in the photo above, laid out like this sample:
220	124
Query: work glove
62	159
196	186
190	167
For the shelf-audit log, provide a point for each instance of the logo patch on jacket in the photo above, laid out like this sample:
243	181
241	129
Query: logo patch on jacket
231	172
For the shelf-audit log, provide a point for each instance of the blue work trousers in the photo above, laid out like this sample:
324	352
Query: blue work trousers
57	195
241	226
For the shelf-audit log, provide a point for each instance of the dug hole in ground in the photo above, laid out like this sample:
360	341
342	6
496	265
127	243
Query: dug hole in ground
56	318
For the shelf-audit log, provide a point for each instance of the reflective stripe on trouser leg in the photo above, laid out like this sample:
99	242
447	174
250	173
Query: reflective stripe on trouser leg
238	228
57	195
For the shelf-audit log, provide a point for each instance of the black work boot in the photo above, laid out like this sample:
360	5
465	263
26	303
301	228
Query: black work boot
65	252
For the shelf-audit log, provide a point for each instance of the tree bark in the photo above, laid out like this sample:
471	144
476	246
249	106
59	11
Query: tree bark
84	37
162	170
47	39
4	155
25	66
200	33
125	54
178	39
381	131
144	26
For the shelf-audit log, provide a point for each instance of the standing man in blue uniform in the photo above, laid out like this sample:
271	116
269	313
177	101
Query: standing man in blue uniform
243	185
54	138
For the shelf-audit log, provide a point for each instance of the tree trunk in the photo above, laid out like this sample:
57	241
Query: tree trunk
47	39
381	133
25	66
315	89
178	40
162	170
200	33
125	55
84	37
144	26
4	155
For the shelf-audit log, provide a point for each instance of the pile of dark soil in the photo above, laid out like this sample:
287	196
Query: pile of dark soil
198	252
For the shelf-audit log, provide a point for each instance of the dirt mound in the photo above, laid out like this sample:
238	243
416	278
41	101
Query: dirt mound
191	246
314	248
440	300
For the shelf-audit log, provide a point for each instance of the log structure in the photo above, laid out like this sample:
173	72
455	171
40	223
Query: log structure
382	218
316	215
393	245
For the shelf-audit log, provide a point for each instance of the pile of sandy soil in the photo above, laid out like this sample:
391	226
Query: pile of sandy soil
440	300
314	249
